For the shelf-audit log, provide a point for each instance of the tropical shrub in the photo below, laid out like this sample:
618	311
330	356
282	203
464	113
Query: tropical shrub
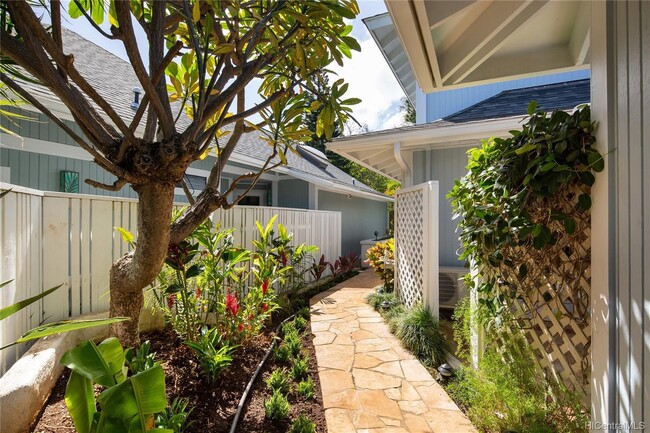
293	344
214	352
277	406
300	323
126	404
318	268
377	257
140	359
344	266
303	424
209	280
174	418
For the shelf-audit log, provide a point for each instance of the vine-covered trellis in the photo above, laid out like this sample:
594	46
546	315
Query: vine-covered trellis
525	224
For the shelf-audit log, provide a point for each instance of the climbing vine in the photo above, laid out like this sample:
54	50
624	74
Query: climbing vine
524	197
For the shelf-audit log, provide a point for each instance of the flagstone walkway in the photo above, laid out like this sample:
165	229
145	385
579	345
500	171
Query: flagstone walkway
371	384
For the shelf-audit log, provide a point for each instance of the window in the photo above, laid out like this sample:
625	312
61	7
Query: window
250	200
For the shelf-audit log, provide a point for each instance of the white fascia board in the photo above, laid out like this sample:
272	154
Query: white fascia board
408	27
427	138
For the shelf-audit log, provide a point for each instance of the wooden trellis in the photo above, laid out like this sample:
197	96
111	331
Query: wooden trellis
550	305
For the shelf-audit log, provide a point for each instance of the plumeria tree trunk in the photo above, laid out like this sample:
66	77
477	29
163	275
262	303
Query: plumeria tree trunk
137	269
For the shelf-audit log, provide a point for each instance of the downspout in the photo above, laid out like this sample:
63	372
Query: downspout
406	170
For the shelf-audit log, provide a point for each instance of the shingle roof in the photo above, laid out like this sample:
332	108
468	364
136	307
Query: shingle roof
114	80
549	97
253	146
509	103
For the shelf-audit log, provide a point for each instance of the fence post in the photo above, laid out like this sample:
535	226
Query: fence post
477	342
416	245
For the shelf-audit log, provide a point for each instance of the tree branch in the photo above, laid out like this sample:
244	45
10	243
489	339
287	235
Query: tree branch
259	107
188	193
34	60
123	11
101	160
56	29
116	186
256	177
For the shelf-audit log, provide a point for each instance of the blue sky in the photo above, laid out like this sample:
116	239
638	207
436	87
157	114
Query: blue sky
367	73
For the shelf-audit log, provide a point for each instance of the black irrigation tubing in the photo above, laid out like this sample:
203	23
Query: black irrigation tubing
249	387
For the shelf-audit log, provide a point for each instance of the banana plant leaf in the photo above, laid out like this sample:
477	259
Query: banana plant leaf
133	400
80	401
66	326
103	364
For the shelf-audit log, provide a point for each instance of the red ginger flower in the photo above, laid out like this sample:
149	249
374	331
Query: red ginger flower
265	286
264	307
170	301
232	304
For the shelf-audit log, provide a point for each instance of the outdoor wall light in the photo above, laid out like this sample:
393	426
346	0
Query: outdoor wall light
376	234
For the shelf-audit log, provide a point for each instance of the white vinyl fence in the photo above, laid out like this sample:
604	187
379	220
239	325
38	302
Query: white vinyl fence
50	238
416	245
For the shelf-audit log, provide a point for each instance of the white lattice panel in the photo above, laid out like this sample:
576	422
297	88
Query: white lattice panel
416	245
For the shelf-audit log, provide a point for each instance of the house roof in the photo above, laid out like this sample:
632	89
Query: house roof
491	117
549	97
114	80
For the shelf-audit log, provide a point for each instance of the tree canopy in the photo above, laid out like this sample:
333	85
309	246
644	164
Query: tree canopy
203	56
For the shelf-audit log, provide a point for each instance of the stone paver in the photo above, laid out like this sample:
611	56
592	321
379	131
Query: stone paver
369	382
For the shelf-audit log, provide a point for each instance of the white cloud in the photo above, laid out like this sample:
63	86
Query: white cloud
372	81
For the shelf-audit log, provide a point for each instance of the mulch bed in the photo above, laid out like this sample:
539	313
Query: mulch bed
214	405
254	420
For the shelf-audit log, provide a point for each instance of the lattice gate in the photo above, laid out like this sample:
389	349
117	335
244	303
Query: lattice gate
416	245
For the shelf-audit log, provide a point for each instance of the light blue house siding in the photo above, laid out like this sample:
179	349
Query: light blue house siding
41	171
444	103
360	218
293	193
443	165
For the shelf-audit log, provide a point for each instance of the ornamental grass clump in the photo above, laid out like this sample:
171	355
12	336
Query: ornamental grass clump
303	424
279	381
299	368
420	332
277	406
305	388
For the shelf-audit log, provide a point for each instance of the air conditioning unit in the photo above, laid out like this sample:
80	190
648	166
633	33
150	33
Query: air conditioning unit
451	286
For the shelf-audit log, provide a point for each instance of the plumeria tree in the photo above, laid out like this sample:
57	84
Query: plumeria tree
203	56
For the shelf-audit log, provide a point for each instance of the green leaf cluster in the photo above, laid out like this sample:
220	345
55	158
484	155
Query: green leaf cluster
127	404
525	191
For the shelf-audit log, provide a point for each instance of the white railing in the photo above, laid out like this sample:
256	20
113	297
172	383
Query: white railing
50	238
416	245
